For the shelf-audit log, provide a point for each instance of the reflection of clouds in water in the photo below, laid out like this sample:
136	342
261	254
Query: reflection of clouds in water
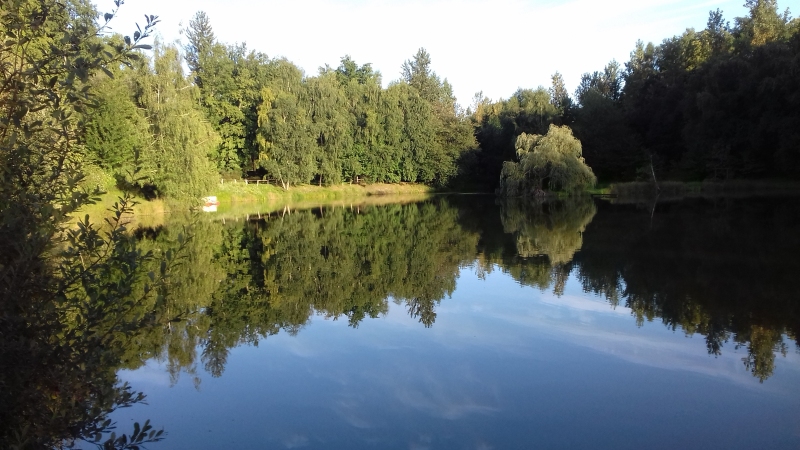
576	304
423	442
152	374
655	347
295	441
527	315
438	403
301	348
406	387
351	409
431	393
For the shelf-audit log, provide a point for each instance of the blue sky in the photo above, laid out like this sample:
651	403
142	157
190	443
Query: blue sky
494	47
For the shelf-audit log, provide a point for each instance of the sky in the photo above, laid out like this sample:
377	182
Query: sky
495	47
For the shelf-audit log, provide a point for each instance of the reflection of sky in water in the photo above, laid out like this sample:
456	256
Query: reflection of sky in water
504	366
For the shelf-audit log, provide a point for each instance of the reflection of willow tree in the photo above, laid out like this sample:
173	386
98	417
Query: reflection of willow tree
242	284
717	269
547	236
553	229
193	280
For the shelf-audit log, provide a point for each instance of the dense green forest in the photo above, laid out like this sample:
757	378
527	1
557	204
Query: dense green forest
718	103
714	104
240	113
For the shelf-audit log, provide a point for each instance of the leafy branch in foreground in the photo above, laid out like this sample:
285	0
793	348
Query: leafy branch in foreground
66	291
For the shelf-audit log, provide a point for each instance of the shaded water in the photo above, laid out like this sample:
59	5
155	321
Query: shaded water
462	323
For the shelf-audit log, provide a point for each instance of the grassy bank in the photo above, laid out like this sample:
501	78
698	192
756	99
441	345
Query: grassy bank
242	199
141	207
235	193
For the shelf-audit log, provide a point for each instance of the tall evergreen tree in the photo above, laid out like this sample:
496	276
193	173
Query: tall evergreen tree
201	40
559	97
116	129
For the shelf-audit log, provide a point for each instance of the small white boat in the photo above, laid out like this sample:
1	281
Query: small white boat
210	201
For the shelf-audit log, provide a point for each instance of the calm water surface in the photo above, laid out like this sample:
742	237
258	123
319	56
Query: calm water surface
461	323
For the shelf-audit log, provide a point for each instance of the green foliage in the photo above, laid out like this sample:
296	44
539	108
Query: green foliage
331	127
200	47
176	164
115	129
719	103
551	161
559	97
609	144
607	83
341	126
418	74
285	137
764	24
65	308
497	126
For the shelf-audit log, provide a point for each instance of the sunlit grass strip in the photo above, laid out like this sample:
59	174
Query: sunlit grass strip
231	193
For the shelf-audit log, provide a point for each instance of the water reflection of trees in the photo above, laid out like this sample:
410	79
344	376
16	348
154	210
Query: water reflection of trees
722	269
553	229
531	240
715	269
241	283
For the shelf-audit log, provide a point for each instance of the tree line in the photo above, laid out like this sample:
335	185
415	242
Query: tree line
718	103
240	113
714	104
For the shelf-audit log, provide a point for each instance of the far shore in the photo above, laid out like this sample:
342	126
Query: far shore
239	198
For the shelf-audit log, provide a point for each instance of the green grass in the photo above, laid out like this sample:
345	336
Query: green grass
232	193
240	198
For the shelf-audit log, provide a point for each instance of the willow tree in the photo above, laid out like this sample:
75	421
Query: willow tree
553	161
176	163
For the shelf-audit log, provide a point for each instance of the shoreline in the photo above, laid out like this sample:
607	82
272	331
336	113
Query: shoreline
236	197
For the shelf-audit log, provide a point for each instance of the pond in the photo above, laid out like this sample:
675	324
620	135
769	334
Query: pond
463	322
